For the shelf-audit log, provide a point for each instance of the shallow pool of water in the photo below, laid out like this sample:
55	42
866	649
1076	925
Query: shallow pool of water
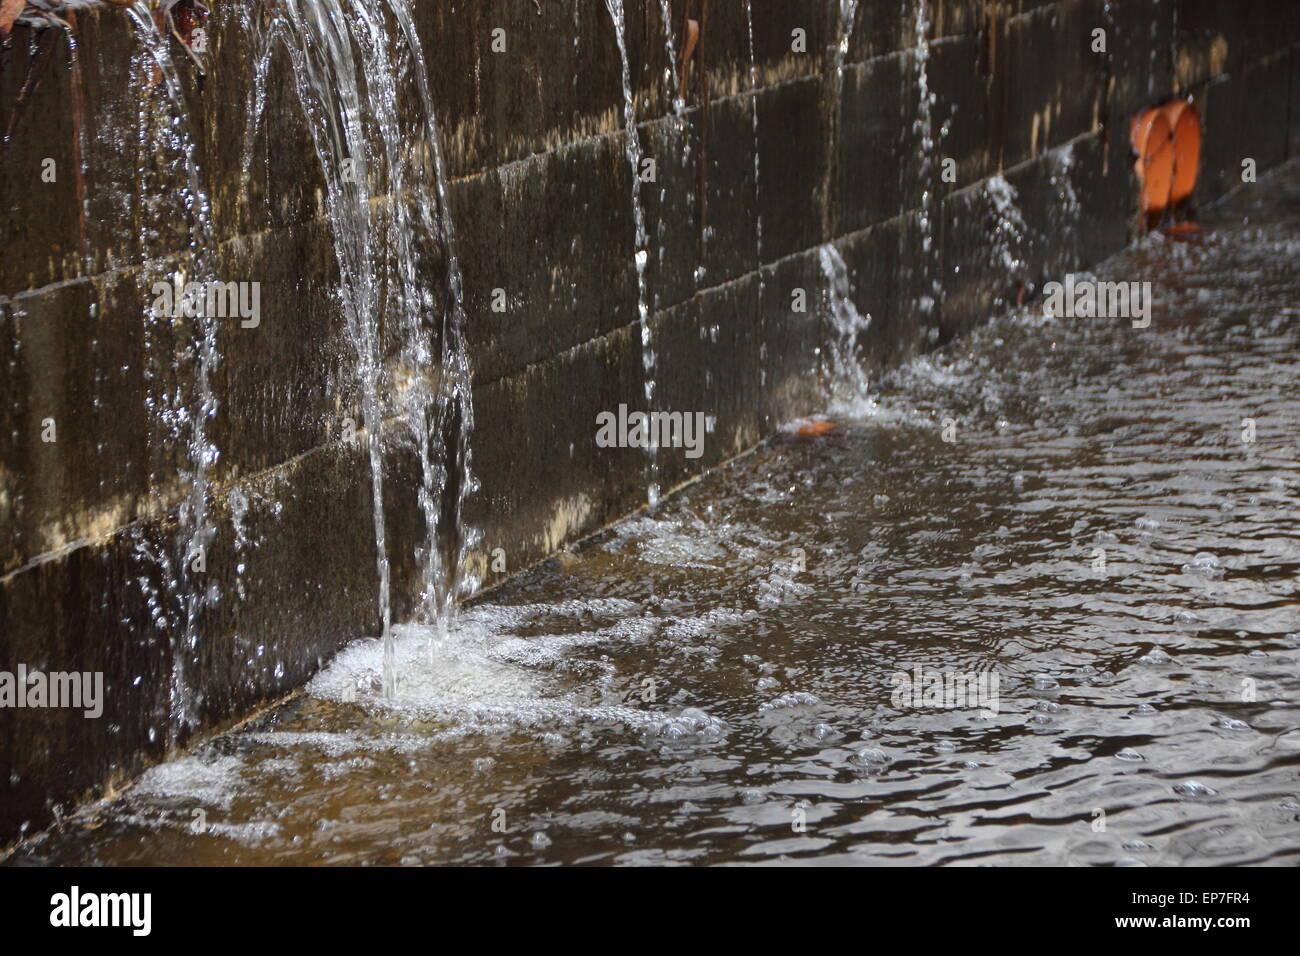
1063	630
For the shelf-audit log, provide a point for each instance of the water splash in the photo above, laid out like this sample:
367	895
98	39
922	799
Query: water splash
642	239
1062	180
1009	229
1070	209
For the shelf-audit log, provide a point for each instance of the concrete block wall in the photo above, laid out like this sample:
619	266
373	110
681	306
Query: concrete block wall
541	198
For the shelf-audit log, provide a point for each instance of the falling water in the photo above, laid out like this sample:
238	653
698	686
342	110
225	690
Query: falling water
1061	177
848	17
846	379
753	85
196	530
839	53
345	61
448	414
758	216
332	89
633	148
262	46
1009	229
672	74
923	129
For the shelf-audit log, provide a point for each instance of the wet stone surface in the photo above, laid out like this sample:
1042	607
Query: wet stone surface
1099	547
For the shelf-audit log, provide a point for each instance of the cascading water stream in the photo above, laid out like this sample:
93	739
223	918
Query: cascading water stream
753	86
923	129
672	74
1009	232
345	60
262	47
642	239
845	375
848	11
449	412
846	378
196	529
848	19
333	95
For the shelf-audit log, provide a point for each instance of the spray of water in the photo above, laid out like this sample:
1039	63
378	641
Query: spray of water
923	129
188	416
1009	229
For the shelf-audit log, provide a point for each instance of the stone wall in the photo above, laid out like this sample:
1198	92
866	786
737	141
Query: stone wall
540	194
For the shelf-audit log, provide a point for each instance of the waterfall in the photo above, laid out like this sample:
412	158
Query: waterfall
333	90
633	148
386	190
187	420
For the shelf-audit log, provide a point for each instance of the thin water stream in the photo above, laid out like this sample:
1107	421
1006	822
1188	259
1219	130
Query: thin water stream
1100	547
641	238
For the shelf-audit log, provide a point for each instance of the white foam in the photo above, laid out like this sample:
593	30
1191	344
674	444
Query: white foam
212	780
478	679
